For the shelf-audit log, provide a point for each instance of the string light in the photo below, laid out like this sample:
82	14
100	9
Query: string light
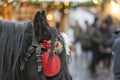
24	0
1	17
49	17
66	11
95	1
56	2
5	5
66	3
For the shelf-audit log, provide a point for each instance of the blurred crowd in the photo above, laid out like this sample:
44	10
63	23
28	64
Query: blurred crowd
95	42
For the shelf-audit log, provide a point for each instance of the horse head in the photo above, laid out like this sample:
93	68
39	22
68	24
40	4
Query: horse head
15	39
41	26
43	31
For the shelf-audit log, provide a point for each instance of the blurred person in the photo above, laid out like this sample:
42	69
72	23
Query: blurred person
106	45
95	40
111	23
77	32
109	20
77	36
86	43
116	55
86	38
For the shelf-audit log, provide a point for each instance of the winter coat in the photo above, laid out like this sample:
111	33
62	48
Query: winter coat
107	40
95	35
116	58
77	33
86	41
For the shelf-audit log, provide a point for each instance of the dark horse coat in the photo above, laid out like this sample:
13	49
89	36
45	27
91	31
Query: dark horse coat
15	39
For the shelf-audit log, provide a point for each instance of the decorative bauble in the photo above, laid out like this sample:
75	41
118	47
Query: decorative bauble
51	64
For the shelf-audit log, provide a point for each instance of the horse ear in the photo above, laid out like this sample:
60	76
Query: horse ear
35	23
37	15
43	14
44	17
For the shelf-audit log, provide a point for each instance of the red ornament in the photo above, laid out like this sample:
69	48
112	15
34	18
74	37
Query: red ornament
52	66
46	45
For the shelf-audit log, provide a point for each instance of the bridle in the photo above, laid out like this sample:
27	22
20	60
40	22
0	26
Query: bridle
34	48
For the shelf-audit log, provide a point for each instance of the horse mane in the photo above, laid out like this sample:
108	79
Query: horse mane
13	40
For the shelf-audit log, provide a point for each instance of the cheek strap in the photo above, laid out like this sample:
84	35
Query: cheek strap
27	56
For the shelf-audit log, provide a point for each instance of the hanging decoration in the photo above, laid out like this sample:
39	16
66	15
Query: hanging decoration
51	68
55	3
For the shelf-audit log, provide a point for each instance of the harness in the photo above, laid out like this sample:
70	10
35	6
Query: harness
34	48
51	66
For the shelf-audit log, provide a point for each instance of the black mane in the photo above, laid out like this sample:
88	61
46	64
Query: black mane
13	41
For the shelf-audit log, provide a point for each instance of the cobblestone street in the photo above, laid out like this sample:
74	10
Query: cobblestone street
79	70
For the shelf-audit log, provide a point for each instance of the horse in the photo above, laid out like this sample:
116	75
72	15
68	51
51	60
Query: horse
26	48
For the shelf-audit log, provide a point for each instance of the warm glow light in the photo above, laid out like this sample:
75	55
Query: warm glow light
24	0
66	11
57	3
1	17
95	1
5	5
49	17
115	7
66	3
10	1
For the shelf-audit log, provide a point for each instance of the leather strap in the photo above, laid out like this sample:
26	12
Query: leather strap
38	56
34	48
27	56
